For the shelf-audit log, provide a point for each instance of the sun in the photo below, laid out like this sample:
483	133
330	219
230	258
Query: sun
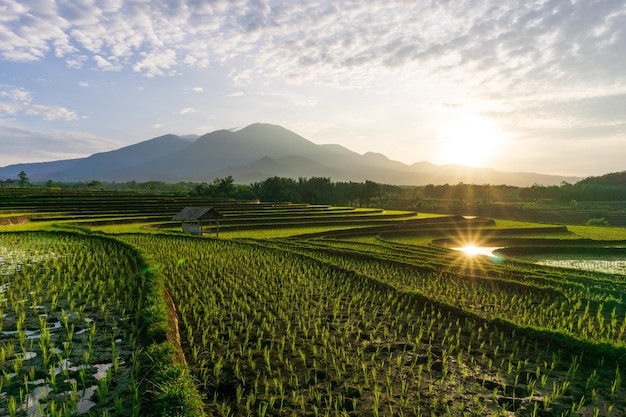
470	250
470	140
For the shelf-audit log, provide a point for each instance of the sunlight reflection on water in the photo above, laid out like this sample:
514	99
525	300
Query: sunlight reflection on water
471	250
609	266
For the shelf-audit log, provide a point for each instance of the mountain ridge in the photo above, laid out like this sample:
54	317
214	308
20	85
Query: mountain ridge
257	152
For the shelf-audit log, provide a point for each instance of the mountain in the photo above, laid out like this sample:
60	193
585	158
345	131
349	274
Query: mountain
38	170
112	165
288	166
612	179
254	153
223	149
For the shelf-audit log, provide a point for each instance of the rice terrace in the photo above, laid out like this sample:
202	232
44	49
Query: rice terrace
109	309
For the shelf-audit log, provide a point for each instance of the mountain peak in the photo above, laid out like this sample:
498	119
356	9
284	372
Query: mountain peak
265	127
375	156
267	131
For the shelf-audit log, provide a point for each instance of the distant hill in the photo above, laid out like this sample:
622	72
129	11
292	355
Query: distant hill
254	153
612	179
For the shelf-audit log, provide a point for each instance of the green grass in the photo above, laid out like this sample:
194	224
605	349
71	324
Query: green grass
407	240
279	233
512	224
599	233
23	227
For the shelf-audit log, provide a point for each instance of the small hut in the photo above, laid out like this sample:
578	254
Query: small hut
193	219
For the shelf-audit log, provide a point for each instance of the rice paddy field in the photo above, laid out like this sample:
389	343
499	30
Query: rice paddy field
108	309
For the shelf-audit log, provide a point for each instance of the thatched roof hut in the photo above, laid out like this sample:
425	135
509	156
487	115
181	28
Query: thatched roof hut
192	218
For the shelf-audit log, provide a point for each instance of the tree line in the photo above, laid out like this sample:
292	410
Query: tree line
322	190
316	190
21	181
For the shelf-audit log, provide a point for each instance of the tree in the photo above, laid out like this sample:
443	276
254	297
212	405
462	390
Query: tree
370	191
23	179
276	189
316	190
224	187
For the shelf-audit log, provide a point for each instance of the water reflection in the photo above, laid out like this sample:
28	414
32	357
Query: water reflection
471	250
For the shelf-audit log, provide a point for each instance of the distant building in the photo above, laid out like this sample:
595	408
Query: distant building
195	218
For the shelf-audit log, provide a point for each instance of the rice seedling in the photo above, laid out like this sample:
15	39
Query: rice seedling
311	312
42	339
278	326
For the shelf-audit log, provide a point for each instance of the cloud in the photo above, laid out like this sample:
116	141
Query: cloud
187	110
197	89
156	63
241	78
105	65
15	94
479	43
541	154
568	118
24	145
14	101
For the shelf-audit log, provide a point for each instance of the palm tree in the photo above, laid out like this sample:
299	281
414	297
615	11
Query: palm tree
23	179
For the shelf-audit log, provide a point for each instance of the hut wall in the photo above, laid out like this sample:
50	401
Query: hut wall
191	227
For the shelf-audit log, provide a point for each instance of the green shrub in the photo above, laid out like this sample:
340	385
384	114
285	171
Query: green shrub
597	222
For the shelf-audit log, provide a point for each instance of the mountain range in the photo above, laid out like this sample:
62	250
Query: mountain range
255	153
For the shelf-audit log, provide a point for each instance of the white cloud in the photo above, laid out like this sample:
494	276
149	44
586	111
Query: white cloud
46	112
15	94
76	62
241	78
105	65
155	63
543	154
24	145
348	42
187	110
19	101
197	89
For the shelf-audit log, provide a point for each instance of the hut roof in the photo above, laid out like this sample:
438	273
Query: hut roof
192	213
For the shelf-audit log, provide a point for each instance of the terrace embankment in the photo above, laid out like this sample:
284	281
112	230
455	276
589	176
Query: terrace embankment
10	220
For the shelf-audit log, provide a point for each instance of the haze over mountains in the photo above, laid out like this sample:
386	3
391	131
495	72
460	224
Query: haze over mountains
255	153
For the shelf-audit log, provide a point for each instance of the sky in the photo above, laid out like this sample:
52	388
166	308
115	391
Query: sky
516	85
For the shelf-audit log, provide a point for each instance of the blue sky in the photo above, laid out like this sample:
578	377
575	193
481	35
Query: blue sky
515	85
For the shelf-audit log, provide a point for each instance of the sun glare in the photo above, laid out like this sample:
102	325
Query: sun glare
471	140
471	250
475	257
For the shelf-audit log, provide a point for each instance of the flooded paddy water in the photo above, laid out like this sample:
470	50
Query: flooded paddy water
610	260
614	265
65	337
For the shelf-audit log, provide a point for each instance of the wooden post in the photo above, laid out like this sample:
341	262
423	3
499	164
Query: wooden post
217	220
